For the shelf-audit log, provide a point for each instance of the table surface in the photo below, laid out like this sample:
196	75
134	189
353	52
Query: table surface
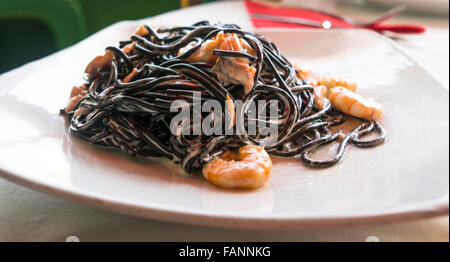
27	215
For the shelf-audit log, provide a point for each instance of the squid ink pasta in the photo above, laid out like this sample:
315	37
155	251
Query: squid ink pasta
126	99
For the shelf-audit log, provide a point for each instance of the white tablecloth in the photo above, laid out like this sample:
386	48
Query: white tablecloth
26	215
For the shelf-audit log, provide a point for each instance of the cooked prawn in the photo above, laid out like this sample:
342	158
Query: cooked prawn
130	76
129	48
320	96
205	52
331	82
355	104
104	61
77	93
235	70
222	41
98	63
303	73
141	31
249	169
229	70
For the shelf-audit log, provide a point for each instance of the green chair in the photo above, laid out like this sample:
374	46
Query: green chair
101	13
64	18
30	29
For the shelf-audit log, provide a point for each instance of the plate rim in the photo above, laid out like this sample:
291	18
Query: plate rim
432	208
429	209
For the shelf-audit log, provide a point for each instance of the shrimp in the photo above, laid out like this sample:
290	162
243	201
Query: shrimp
104	61
77	93
205	52
354	104
141	31
98	63
222	41
302	73
229	70
331	82
235	70
130	76
249	169
129	48
320	96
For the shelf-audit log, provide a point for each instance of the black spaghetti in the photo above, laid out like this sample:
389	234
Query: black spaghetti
125	102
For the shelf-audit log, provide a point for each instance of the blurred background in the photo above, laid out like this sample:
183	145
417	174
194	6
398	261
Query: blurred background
30	29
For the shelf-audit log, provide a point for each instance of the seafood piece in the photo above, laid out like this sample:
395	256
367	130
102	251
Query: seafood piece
233	70
355	104
302	73
98	63
77	93
130	76
320	96
250	169
104	61
205	52
222	41
229	70
129	48
331	82
141	31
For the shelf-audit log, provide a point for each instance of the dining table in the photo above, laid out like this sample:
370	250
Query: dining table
28	215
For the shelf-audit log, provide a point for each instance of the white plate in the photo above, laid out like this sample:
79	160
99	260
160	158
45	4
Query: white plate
405	178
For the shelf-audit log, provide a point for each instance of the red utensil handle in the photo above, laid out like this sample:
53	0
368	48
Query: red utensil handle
407	29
